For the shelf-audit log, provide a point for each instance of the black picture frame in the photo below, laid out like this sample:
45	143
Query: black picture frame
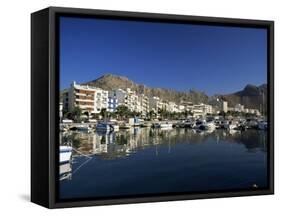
45	100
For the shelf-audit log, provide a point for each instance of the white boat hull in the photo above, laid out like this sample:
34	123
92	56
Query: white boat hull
230	126
65	154
164	125
107	127
262	125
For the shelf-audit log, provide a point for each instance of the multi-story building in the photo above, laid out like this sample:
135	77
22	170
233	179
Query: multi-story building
189	106
144	104
253	111
80	96
181	108
100	100
61	110
165	105
202	109
208	109
175	108
239	108
155	104
172	107
136	104
129	99
197	111
112	102
224	106
121	95
89	99
64	98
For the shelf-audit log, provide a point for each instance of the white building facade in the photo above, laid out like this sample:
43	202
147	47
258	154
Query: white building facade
87	98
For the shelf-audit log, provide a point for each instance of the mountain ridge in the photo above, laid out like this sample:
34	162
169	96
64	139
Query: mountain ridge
251	96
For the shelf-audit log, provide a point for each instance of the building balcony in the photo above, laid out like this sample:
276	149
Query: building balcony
84	100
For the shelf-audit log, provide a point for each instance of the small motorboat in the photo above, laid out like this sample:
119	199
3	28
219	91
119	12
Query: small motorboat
107	126
262	125
163	125
187	124
229	125
81	128
124	125
65	171
146	124
65	154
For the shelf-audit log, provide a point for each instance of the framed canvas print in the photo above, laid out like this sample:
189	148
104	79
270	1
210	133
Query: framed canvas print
138	107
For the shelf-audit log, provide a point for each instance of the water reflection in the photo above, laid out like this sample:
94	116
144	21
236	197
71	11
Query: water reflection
125	142
162	161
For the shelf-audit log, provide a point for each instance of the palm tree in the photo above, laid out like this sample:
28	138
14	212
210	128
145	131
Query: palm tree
186	114
151	114
76	113
163	113
122	111
160	113
87	113
103	113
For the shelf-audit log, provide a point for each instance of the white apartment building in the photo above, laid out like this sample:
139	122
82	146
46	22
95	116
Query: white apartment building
61	110
253	111
100	100
197	112
129	99
224	106
89	99
208	109
165	105
112	101
144	104
239	108
173	107
181	108
155	104
202	109
188	106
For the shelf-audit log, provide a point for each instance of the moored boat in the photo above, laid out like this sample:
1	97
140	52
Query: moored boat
81	128
65	154
262	125
252	123
229	125
146	124
198	124
107	126
65	171
209	126
124	125
187	124
163	125
203	125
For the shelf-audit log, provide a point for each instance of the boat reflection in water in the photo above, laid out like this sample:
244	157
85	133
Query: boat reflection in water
145	160
65	171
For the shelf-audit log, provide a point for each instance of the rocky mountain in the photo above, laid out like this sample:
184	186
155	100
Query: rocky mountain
112	82
250	96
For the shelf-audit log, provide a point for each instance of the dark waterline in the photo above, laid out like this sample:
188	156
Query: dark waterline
145	161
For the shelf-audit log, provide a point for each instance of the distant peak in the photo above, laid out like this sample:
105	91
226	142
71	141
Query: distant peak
263	85
109	75
250	86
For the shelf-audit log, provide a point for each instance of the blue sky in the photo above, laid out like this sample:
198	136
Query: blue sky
212	59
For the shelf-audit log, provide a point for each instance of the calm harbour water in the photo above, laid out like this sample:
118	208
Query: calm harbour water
148	161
